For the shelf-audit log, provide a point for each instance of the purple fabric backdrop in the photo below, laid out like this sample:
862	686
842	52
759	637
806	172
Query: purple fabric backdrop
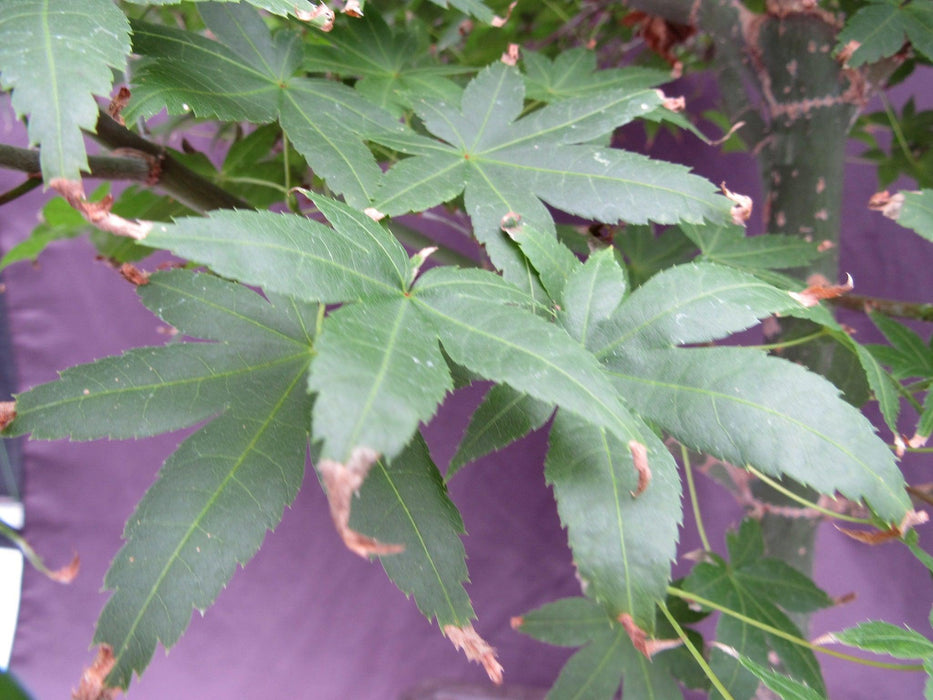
307	619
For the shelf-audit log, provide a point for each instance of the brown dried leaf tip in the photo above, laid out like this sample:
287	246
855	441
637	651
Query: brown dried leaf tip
321	16
352	8
510	223
498	21
134	275
120	100
342	481
67	573
98	213
873	537
510	57
475	648
741	205
92	685
640	459
675	104
7	413
821	289
888	204
640	640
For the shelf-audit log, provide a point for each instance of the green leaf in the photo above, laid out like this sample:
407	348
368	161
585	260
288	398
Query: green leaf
879	28
288	254
506	344
55	56
391	66
475	8
504	416
734	585
749	408
692	303
249	74
595	671
881	386
277	7
647	254
209	511
727	244
378	373
919	26
58	221
505	165
405	502
623	541
592	293
925	423
553	260
228	483
911	357
884	638
786	688
917	212
784	585
573	73
568	622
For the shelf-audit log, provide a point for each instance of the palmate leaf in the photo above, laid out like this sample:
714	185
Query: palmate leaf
55	56
736	585
250	75
377	362
390	66
504	165
607	655
228	483
882	27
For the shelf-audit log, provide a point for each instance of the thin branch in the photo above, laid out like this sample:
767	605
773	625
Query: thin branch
27	185
890	307
181	182
136	159
104	167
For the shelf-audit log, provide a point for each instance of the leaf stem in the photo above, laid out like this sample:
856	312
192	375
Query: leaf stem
693	598
695	653
896	129
804	502
694	501
792	342
63	575
290	197
27	185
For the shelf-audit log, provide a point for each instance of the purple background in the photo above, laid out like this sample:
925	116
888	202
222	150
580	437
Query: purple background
307	619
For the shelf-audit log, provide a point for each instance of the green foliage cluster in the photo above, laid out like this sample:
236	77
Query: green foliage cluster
355	339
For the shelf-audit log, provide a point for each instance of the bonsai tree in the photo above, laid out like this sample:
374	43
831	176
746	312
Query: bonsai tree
335	329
